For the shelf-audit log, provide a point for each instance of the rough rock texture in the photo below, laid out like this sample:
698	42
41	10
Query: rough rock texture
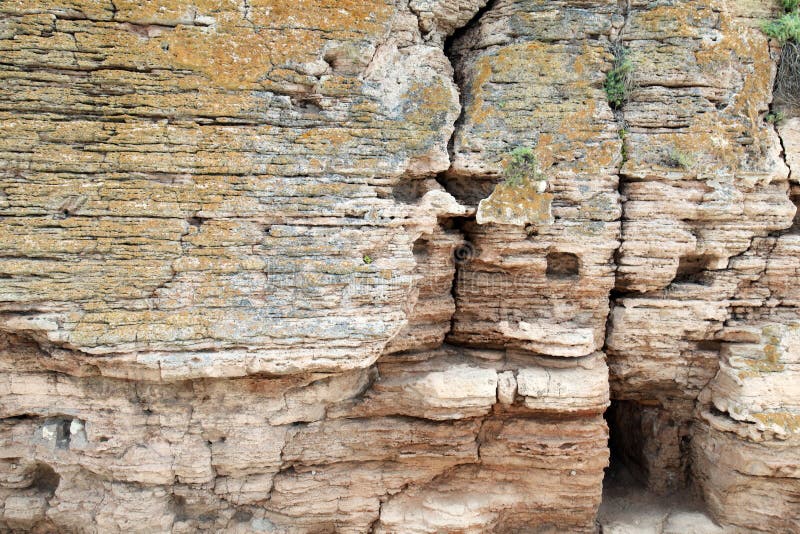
702	332
260	272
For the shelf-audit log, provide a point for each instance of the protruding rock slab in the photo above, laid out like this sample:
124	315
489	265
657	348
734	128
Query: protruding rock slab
519	205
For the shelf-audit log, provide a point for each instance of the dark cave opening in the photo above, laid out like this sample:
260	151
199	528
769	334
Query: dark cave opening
649	441
692	269
648	482
624	444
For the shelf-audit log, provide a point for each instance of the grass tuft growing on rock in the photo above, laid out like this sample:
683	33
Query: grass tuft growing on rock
619	81
775	117
523	166
784	29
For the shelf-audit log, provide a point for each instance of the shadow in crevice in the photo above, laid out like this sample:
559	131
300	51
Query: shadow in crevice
693	269
562	266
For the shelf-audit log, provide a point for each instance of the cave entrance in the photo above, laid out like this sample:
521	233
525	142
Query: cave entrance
646	485
626	466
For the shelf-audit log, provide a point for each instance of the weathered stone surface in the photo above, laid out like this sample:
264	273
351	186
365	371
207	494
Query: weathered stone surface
516	81
752	485
260	272
705	314
555	476
180	229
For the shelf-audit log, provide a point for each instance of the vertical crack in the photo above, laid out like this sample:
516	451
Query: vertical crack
465	252
617	40
458	79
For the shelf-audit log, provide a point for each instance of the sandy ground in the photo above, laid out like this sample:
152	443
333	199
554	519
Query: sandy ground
628	508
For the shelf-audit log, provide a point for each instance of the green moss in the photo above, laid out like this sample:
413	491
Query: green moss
776	117
523	166
367	259
680	159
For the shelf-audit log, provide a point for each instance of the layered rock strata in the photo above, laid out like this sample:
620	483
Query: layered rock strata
700	336
245	285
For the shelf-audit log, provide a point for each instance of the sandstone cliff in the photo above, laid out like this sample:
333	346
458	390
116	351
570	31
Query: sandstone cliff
261	272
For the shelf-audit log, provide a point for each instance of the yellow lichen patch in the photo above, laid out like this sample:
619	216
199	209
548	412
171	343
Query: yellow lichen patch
772	340
517	205
236	48
229	62
709	143
356	16
785	421
477	110
320	139
561	83
585	67
777	341
170	12
673	21
760	366
432	102
746	50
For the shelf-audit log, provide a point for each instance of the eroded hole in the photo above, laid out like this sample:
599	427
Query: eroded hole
469	190
45	479
421	250
562	265
409	191
795	197
179	506
709	346
61	431
309	103
692	269
648	446
242	516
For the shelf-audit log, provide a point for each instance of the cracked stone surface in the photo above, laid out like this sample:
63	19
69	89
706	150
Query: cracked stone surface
260	271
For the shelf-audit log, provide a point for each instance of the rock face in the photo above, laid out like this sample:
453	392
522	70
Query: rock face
260	272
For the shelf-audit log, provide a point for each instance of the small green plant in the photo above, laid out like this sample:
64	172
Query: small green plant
787	27
784	29
367	259
619	80
522	167
776	117
623	134
679	159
